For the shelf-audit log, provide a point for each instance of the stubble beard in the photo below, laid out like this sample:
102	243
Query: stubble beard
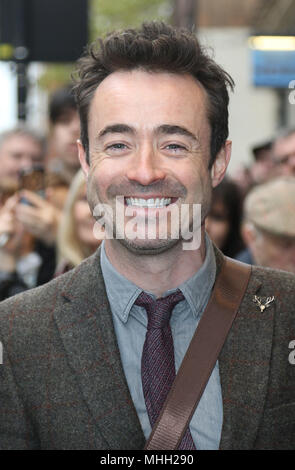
157	246
148	246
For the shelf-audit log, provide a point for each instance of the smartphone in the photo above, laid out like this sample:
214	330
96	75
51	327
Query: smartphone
32	179
8	187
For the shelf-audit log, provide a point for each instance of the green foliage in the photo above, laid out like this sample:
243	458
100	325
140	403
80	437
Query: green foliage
108	15
105	16
55	76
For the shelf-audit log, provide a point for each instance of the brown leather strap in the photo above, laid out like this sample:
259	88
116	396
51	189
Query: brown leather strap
201	356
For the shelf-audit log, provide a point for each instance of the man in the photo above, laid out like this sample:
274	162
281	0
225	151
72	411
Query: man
19	148
27	232
283	153
262	166
153	110
63	159
260	170
269	225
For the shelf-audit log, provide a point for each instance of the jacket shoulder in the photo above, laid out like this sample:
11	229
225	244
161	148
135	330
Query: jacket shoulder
280	285
274	278
35	296
36	304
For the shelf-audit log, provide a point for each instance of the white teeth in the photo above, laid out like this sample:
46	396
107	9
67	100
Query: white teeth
154	203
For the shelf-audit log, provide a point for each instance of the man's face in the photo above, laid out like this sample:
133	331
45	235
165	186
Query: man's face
16	153
284	156
65	133
274	251
149	141
262	168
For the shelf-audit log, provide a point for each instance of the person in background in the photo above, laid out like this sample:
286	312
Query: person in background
20	148
62	159
26	260
260	170
23	149
11	280
223	222
28	221
269	224
76	239
262	167
283	153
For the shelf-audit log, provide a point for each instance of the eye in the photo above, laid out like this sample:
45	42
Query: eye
118	146
175	148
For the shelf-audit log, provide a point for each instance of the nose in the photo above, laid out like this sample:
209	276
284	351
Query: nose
146	167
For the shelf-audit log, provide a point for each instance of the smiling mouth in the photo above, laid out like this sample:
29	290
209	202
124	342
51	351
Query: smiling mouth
153	203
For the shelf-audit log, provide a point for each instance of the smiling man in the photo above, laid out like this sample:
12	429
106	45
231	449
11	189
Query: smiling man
152	147
90	358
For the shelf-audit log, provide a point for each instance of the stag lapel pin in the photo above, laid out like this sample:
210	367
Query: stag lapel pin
263	304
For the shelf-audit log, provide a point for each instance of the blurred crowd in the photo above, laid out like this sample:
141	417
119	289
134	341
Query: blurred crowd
252	217
46	227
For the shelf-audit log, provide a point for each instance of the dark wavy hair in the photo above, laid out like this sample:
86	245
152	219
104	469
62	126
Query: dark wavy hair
155	47
61	101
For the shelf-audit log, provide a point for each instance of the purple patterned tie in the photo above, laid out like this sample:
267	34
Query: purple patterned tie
157	362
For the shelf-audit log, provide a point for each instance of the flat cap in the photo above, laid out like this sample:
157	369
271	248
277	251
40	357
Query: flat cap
271	206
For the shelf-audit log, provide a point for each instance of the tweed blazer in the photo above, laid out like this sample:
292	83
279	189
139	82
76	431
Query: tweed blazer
62	384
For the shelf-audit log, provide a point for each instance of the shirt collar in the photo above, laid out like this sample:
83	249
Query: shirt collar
122	293
197	289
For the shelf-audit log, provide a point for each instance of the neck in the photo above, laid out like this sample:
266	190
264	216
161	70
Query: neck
156	273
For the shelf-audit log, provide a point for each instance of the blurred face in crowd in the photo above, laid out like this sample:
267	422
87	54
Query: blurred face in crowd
284	155
262	168
217	224
65	132
273	251
16	153
149	139
84	221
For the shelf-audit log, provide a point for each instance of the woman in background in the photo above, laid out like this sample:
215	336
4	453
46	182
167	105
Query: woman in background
223	222
75	238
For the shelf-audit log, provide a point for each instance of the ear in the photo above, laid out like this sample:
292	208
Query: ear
221	163
249	233
82	158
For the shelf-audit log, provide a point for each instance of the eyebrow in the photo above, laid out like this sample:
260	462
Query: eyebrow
167	129
174	129
116	128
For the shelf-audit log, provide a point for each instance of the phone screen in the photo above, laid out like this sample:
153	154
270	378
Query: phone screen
33	179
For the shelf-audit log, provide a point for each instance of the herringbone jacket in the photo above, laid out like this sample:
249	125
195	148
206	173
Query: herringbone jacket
62	384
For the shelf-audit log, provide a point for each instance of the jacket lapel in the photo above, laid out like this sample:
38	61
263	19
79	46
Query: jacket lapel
244	366
84	320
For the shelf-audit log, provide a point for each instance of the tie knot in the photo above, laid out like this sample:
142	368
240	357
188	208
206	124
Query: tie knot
159	311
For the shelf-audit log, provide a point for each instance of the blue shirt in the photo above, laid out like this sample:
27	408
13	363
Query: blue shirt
130	322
